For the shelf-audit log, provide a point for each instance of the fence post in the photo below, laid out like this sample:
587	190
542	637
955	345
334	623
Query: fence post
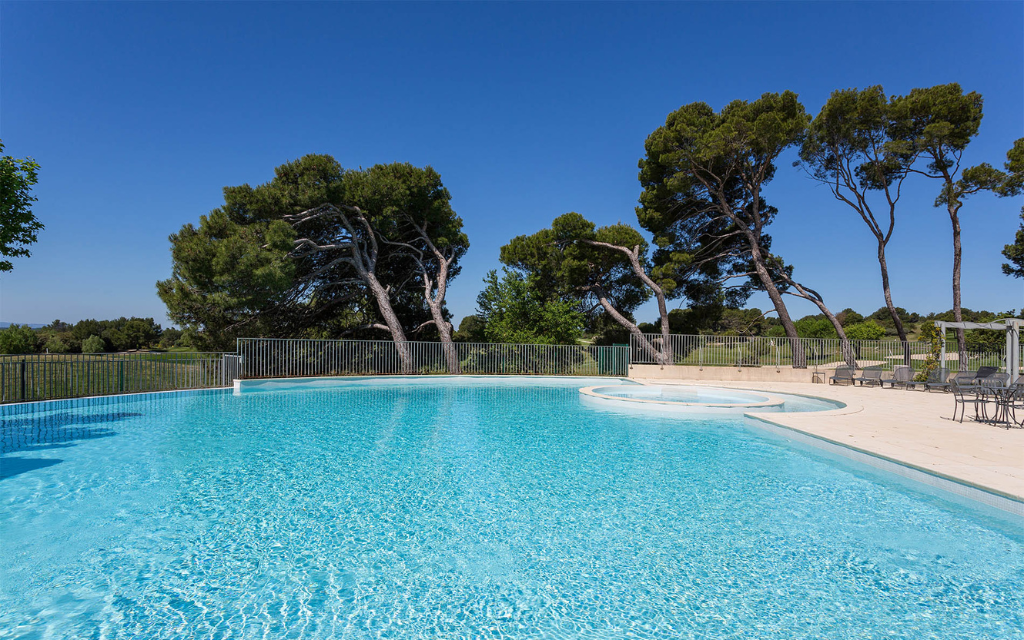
22	378
120	375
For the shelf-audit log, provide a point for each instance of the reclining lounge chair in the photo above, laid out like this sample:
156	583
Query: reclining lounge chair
843	375
902	376
870	376
936	379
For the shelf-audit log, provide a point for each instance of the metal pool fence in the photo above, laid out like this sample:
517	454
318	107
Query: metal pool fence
282	358
818	353
52	376
66	375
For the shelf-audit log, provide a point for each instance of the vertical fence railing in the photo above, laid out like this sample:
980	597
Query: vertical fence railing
46	376
821	353
286	358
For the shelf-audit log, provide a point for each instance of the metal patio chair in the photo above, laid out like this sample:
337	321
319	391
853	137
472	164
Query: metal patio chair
961	396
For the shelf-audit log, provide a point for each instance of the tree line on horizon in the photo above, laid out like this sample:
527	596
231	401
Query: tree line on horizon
140	334
90	336
324	251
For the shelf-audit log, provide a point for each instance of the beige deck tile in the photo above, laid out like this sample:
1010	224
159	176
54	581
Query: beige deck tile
912	427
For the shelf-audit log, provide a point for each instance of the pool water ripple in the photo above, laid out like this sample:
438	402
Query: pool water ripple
466	510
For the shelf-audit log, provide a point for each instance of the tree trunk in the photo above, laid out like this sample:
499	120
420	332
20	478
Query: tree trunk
814	297
659	293
844	342
961	339
797	347
380	294
666	332
900	331
451	356
634	330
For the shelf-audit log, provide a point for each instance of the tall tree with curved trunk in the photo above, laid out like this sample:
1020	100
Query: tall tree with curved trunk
599	265
938	123
708	166
424	227
400	214
318	251
848	148
352	242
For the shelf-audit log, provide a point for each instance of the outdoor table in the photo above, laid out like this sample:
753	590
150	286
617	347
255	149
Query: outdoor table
1003	397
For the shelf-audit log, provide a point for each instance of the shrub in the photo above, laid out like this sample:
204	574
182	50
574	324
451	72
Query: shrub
94	344
17	339
57	344
868	330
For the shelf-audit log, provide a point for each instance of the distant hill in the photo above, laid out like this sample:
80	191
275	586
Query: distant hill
4	325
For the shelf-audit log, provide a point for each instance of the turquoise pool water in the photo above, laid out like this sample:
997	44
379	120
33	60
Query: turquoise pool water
471	509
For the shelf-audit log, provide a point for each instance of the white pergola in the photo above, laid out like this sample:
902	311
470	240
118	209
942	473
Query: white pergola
1012	328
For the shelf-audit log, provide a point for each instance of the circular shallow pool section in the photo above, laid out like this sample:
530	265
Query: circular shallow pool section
458	508
685	396
691	399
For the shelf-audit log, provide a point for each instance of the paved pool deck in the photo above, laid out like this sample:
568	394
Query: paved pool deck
910	427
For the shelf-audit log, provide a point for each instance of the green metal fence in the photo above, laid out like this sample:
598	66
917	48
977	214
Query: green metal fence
281	358
65	375
816	353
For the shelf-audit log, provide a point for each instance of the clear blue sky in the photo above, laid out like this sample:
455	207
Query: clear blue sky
140	113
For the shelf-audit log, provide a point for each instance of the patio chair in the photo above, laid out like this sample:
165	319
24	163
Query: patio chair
961	396
993	380
1012	400
902	376
870	376
938	379
843	375
985	372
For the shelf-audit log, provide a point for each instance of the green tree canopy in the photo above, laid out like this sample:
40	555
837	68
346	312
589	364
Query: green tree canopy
319	251
515	309
1013	185
19	227
16	339
93	344
601	267
867	330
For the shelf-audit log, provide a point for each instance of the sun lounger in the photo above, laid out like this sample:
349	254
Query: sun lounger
962	378
937	379
985	372
843	375
870	376
902	375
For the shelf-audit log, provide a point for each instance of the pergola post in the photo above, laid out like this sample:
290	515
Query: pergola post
1013	349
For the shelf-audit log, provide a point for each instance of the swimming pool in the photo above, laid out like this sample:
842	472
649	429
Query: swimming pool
491	508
